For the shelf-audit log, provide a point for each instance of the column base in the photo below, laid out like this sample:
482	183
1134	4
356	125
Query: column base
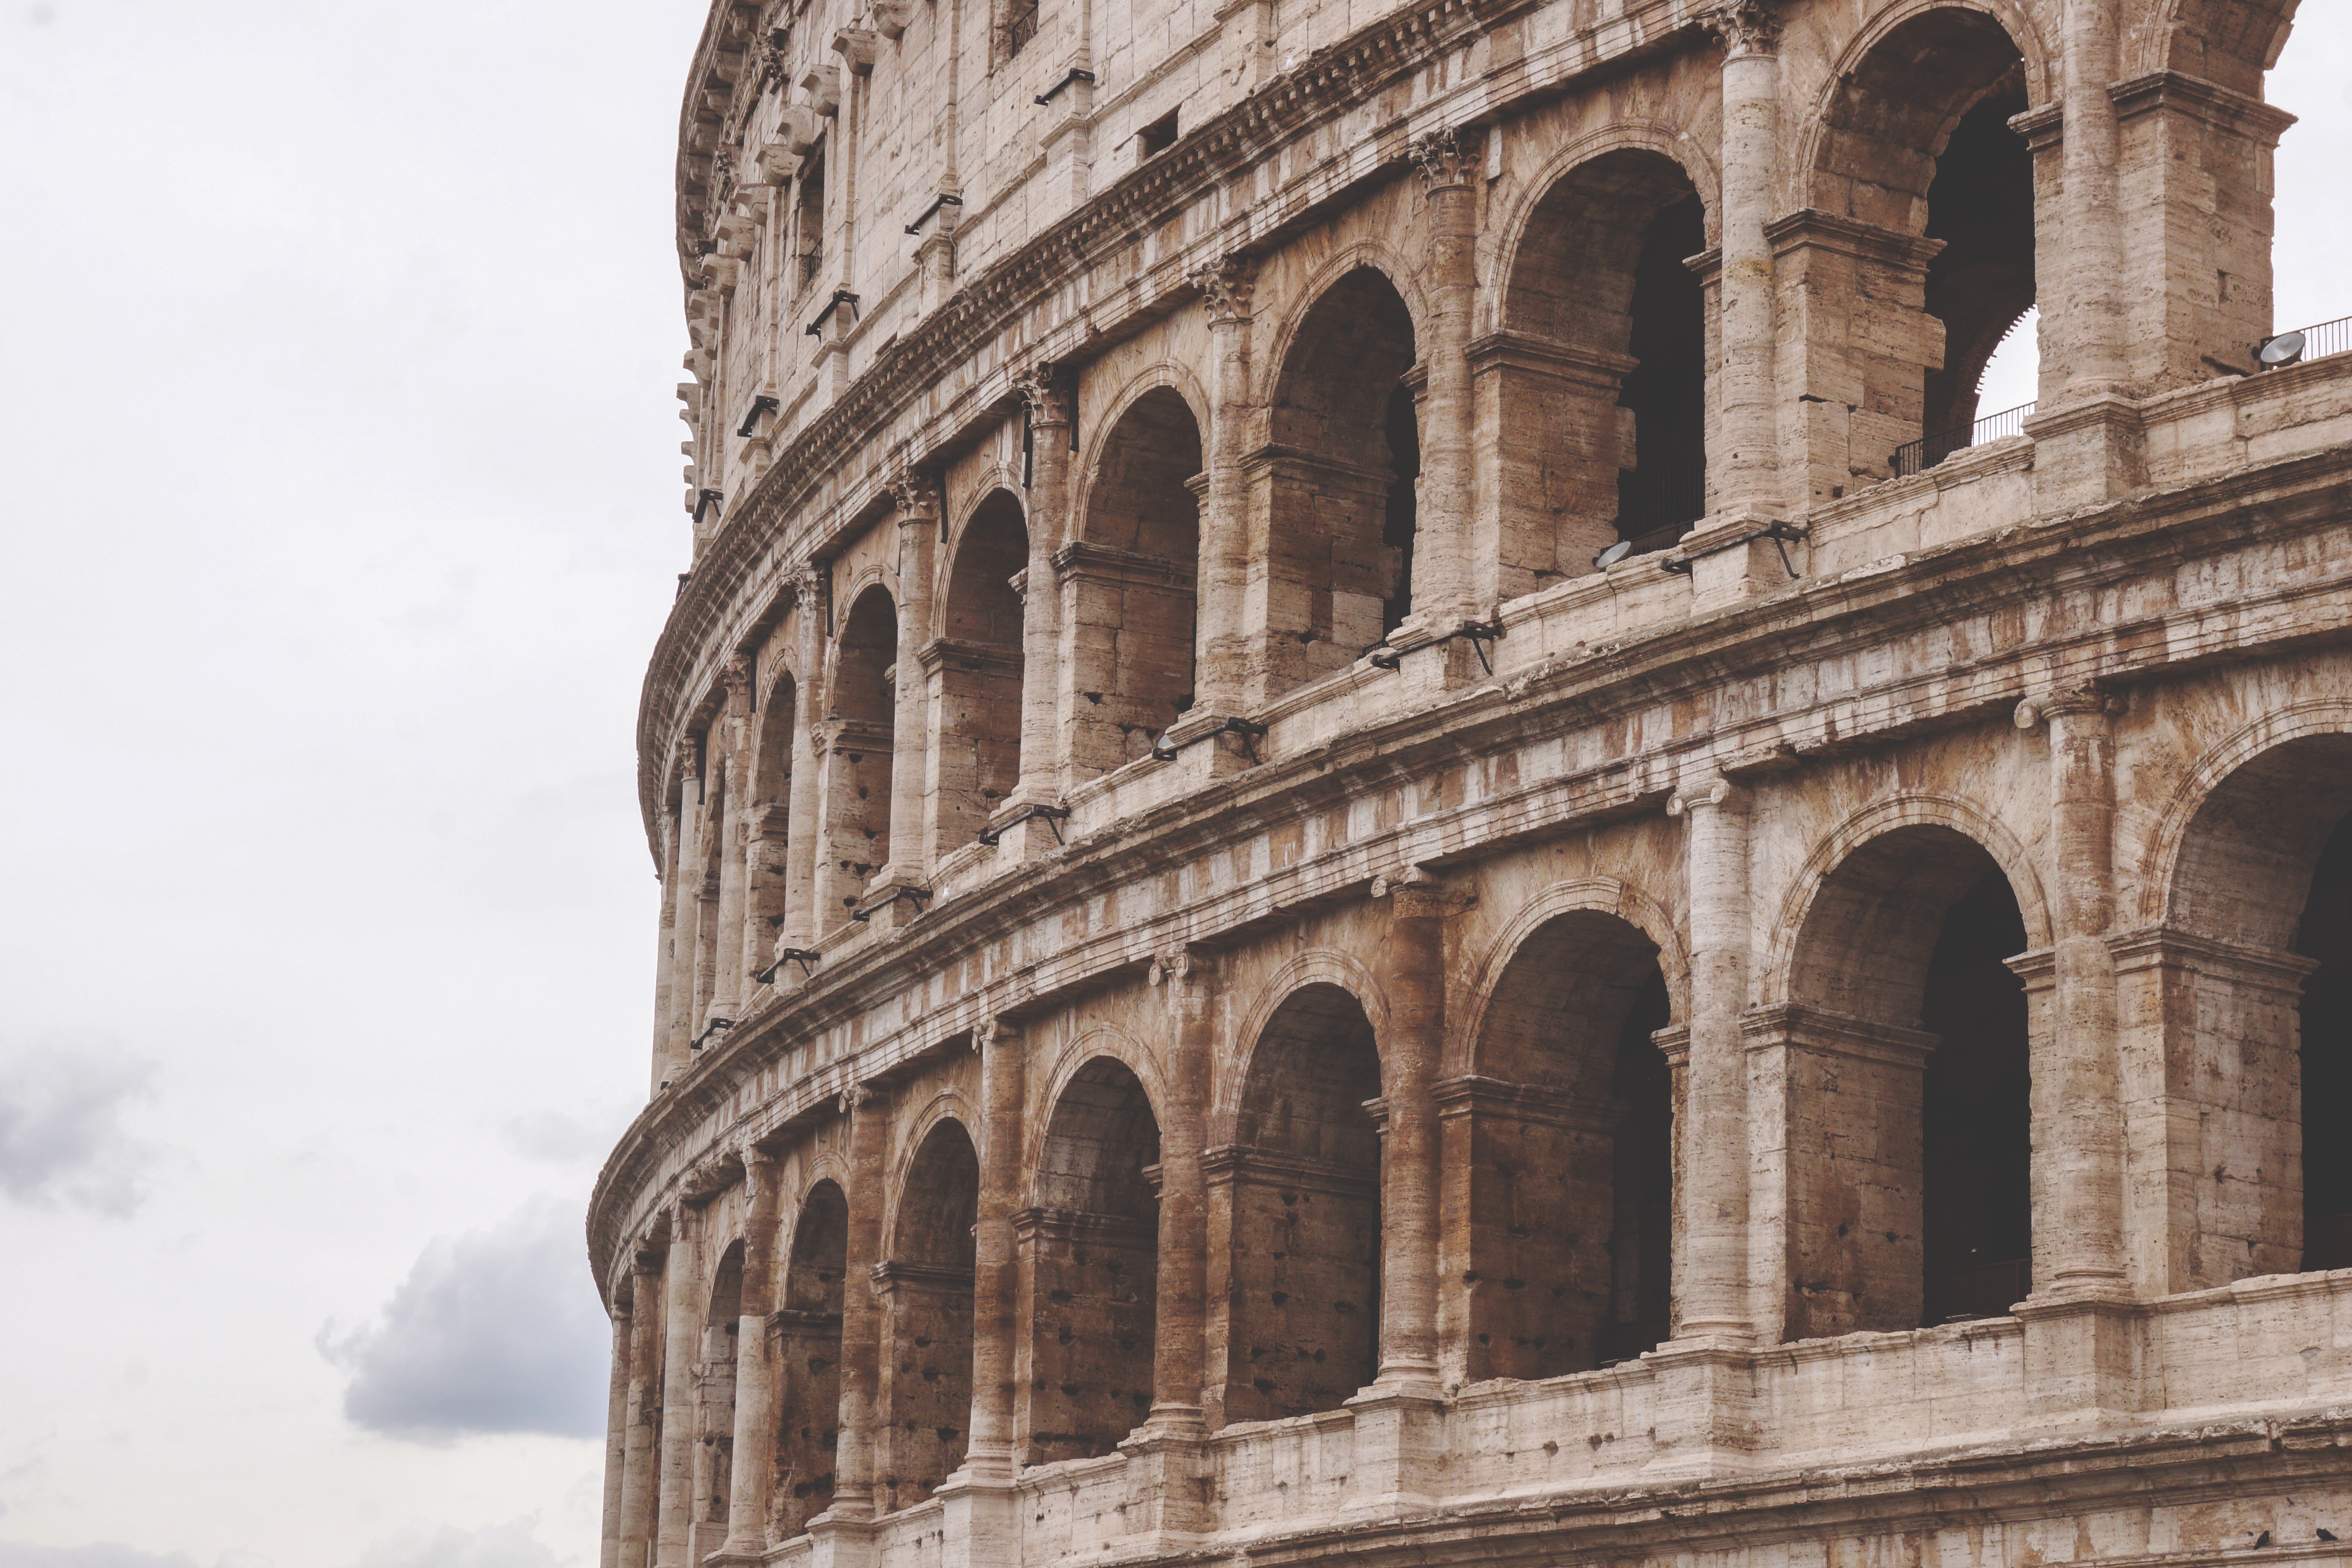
979	1526
2082	1359
1400	1441
1706	1400
2087	452
1171	1464
841	1542
1740	553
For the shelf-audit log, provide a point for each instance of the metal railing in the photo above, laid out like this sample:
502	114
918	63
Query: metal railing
2327	338
1918	457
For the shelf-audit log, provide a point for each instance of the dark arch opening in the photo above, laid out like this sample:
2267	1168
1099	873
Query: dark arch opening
1568	1123
1132	583
714	1453
860	735
1910	1189
1341	482
806	1348
980	671
1600	374
1917	145
1090	1267
1303	1192
768	833
927	1289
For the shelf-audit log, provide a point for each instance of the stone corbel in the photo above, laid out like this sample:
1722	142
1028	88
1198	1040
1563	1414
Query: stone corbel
891	17
778	163
797	129
822	85
855	47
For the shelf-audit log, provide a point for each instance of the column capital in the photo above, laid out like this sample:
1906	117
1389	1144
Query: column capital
1225	285
1180	963
1044	393
807	582
916	493
2068	704
1744	26
1713	791
735	675
1413	894
995	1029
1447	158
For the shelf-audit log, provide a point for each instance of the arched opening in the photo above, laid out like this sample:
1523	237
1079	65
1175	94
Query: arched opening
2254	998
714	1401
1089	1253
1599	378
1564	1135
926	1290
859	733
768	828
1129	585
805	1345
1298	1195
1336	489
1906	1051
1916	254
979	668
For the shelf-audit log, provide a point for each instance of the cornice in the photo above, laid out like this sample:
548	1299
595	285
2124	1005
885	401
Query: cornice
1813	621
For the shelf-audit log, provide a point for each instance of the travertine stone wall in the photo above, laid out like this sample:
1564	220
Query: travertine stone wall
1270	949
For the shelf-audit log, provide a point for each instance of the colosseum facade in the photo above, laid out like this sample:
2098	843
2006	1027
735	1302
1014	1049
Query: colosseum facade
1387	828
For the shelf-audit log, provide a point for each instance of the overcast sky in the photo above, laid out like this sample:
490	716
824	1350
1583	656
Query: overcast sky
341	498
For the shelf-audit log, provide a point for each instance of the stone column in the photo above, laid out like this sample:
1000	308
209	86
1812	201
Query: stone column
755	1415
2086	430
1444	573
1043	393
731	984
800	926
1710	1292
685	890
977	1502
2082	1139
1743	458
861	1319
639	1484
681	1326
1412	969
665	956
616	1438
1181	1316
989	1456
896	895
1224	655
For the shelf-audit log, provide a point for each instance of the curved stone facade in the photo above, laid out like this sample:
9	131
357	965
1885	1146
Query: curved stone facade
1387	826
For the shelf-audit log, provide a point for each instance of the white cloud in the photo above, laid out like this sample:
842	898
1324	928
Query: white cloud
513	1544
113	1554
497	1331
62	1144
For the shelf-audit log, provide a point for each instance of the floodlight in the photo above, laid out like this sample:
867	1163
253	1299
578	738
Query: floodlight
1613	554
2278	352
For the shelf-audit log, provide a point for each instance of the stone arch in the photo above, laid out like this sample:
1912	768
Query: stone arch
976	667
1559	1135
1130	577
1605	895
2231	42
1099	1040
926	1286
1910	809
1598	364
714	1400
1294	1198
805	1350
859	734
768	825
1317	967
2248	977
1916	210
1910	1194
1336	481
1090	1257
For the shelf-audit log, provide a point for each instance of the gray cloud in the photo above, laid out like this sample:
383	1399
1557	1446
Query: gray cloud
421	1545
62	1144
559	1137
495	1331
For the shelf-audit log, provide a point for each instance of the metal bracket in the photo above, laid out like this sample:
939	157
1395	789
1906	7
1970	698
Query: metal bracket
1053	815
760	405
918	894
1053	91
942	200
840	297
804	956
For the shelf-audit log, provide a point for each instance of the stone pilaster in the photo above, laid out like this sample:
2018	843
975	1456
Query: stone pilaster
801	925
989	1456
1744	460
892	896
1224	665
639	1483
616	1439
681	1330
665	959
861	1320
731	981
1711	1297
1445	571
1044	393
755	1415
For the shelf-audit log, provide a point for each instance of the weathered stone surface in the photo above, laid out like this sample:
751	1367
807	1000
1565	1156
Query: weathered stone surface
1232	981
